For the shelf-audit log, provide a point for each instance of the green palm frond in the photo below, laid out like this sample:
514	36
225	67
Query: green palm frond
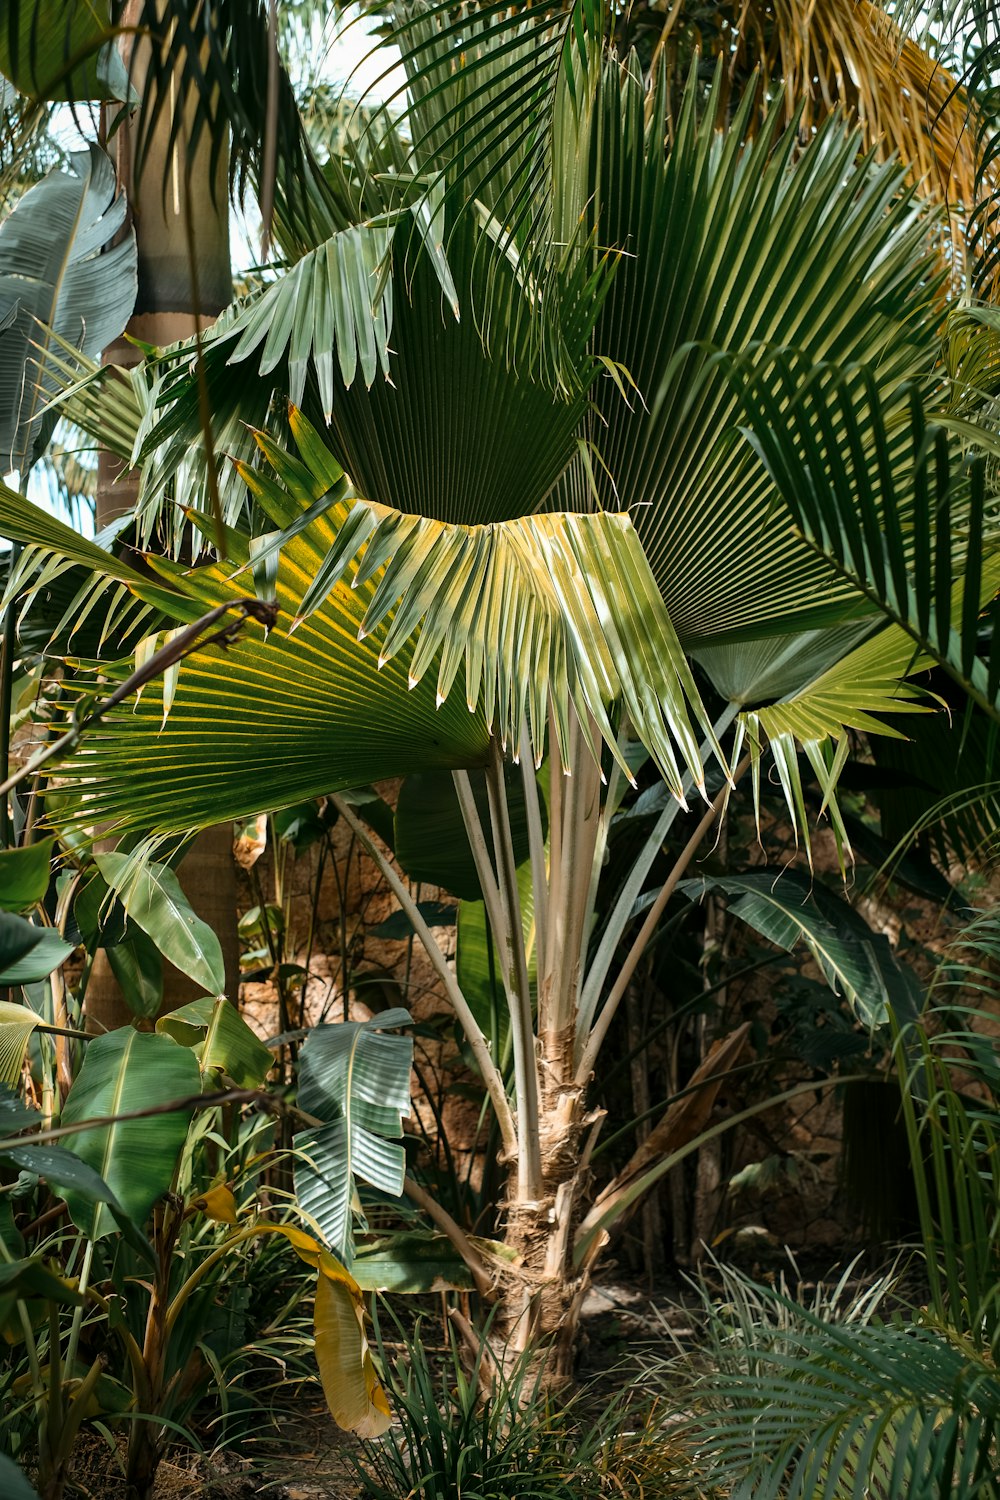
362	687
448	404
735	245
59	546
942	789
538	612
888	501
864	690
856	962
839	1410
120	409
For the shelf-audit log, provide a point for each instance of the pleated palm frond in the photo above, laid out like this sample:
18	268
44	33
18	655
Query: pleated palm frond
837	1410
500	108
529	288
891	503
417	442
972	359
354	691
535	613
842	55
735	247
57	545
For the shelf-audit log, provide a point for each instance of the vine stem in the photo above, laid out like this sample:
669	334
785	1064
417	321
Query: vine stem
474	1035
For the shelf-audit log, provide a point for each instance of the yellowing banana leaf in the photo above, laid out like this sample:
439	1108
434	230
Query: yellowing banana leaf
26	1281
355	1397
353	1391
217	1204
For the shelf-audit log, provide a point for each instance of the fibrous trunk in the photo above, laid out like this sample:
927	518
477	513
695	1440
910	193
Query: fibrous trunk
542	1293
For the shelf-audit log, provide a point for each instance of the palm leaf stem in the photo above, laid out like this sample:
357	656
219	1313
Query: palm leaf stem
517	983
617	783
621	912
500	914
578	792
536	839
600	1029
477	1041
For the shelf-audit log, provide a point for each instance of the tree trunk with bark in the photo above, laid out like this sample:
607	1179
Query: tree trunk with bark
180	211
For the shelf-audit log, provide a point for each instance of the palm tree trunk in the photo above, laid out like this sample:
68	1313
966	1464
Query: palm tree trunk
180	211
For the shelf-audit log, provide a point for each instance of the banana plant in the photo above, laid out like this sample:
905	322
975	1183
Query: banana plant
67	268
557	533
122	1138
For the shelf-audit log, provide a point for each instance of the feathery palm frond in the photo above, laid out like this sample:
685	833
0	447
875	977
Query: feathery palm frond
899	1410
864	689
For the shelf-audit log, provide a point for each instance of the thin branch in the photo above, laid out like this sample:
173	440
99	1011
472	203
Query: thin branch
646	931
474	1035
478	1268
194	1102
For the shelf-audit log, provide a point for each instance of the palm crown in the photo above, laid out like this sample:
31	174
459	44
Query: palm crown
590	364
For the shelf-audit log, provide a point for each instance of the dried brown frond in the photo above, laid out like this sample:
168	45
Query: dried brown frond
847	55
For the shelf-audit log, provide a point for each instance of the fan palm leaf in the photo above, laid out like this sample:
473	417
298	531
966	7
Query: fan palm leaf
347	692
736	246
851	57
696	229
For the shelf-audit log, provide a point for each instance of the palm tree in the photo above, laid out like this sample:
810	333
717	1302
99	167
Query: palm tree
617	435
179	208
